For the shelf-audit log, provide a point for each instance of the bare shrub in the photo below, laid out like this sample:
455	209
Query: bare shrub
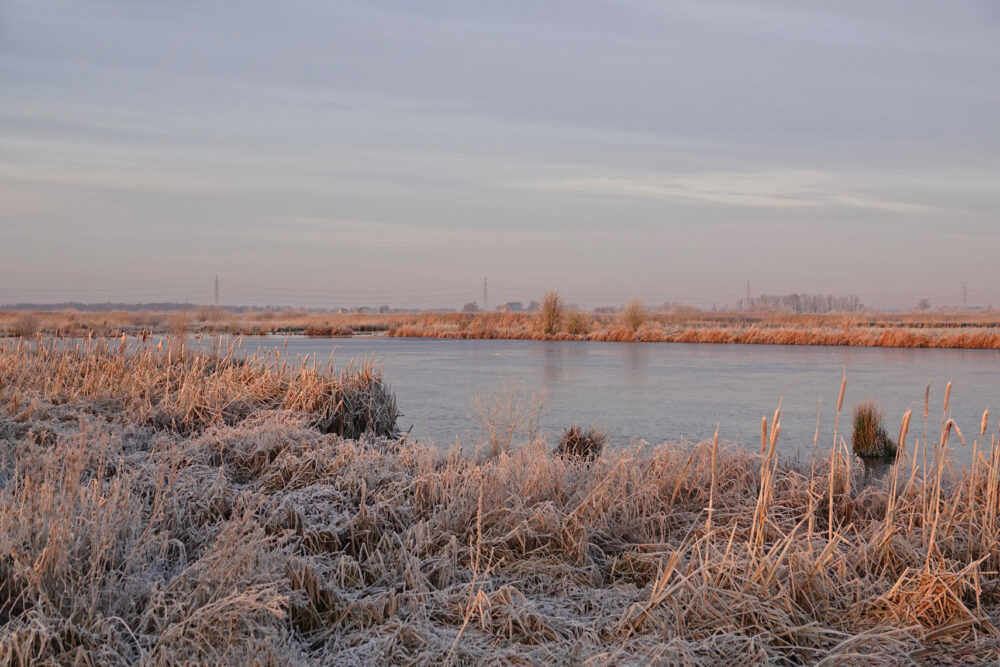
551	313
634	315
505	413
577	323
24	325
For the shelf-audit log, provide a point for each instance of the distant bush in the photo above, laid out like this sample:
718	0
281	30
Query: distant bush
551	312
634	314
579	443
25	325
870	439
577	323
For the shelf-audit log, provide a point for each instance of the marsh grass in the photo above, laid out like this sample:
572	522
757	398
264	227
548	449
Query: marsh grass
964	330
150	383
239	532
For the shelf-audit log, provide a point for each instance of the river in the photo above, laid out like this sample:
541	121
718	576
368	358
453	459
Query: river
670	391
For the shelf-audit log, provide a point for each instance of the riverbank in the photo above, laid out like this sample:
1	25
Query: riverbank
948	330
168	508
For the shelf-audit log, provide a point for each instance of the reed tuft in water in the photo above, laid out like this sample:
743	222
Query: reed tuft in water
582	443
869	439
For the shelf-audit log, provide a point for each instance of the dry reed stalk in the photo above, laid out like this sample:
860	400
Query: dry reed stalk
894	479
711	492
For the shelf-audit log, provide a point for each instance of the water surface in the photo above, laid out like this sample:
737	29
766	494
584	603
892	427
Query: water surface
672	391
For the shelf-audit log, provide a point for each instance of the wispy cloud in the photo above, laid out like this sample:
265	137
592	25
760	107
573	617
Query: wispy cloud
765	189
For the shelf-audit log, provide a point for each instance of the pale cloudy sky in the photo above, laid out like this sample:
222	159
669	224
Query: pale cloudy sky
367	152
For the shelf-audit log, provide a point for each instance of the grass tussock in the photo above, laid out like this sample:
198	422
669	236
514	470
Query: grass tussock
267	540
869	439
580	443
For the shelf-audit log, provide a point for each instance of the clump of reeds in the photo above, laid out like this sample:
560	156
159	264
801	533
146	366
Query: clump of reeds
580	443
869	439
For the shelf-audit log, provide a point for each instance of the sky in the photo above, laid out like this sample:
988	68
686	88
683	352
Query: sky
349	153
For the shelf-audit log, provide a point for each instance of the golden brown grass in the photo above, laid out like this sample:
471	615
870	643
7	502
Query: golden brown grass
236	530
980	330
159	384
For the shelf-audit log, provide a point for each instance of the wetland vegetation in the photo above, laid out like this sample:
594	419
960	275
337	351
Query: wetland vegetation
161	506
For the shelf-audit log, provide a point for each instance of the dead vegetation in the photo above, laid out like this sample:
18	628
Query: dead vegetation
582	443
506	414
196	510
969	330
869	438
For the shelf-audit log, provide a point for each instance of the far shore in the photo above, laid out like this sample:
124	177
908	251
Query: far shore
950	330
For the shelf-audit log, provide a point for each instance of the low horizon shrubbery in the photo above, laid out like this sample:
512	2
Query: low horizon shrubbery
979	330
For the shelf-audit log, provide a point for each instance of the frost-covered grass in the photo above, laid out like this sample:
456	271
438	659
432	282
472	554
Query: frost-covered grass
202	509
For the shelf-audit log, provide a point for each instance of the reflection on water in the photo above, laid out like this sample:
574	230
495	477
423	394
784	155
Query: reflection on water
552	368
663	391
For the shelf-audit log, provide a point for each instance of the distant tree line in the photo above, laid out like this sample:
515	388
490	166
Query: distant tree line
802	303
171	306
161	306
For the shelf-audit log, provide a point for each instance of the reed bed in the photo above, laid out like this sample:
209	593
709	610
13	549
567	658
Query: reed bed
779	329
958	329
257	536
158	383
